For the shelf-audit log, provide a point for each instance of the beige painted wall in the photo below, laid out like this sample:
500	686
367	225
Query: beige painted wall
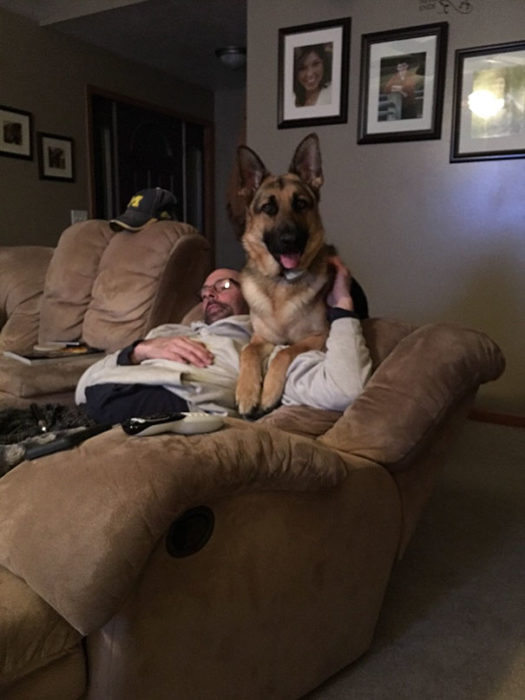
429	240
46	73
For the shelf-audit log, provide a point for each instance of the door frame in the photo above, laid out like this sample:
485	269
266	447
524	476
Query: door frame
209	150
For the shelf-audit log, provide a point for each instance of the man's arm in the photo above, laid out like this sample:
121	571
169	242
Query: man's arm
333	379
176	348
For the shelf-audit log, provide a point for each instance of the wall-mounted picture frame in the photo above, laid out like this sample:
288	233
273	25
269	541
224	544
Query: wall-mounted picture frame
402	83
489	103
16	128
313	74
55	157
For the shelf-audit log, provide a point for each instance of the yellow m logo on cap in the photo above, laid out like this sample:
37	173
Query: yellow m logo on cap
135	201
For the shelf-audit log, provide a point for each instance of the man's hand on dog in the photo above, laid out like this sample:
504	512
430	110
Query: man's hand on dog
176	348
339	295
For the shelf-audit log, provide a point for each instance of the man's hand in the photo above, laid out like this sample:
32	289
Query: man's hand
339	295
178	348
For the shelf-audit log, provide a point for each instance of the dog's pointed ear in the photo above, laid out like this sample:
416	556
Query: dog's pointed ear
306	162
252	172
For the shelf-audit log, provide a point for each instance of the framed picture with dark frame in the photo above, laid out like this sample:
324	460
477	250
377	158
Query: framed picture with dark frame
489	103
402	83
55	157
16	128
313	74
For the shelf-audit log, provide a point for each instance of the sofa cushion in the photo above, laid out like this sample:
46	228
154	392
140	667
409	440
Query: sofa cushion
69	279
42	377
143	280
21	283
301	420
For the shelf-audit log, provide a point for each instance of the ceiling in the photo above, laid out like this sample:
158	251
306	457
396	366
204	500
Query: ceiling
178	37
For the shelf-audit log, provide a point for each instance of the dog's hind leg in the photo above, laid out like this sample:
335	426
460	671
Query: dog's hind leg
249	383
275	379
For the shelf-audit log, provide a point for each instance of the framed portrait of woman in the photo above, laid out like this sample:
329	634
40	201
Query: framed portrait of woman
313	74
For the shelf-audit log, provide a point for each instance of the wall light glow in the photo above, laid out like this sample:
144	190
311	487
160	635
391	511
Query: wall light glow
485	104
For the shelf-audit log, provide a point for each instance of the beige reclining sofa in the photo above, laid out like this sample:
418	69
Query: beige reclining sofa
102	287
246	564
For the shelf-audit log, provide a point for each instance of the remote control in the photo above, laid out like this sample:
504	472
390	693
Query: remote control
64	442
184	423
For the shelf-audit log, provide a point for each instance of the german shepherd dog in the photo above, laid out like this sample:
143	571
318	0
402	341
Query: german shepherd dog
286	274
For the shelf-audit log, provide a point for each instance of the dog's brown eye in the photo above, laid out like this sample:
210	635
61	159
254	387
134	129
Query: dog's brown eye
270	208
300	204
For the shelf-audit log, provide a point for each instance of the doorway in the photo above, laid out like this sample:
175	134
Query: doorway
136	146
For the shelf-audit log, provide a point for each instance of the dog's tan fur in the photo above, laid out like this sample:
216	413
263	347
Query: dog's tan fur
286	306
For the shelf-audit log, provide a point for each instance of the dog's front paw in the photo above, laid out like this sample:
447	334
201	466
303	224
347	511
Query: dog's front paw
273	387
247	400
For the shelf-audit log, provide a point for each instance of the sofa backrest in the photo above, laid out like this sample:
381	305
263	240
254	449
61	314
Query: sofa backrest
22	275
69	280
110	288
145	279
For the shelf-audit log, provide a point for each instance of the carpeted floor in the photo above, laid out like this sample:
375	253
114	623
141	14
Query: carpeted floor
453	622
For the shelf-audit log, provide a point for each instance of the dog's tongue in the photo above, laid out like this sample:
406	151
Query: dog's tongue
290	260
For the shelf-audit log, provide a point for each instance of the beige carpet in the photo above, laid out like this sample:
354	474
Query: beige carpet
453	622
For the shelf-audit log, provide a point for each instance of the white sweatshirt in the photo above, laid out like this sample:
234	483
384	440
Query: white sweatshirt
329	380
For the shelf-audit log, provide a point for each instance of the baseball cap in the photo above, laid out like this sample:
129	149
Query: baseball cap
145	207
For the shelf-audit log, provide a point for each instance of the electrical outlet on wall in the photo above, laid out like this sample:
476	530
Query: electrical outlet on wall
78	215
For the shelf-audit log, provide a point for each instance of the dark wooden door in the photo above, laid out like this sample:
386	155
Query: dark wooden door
150	153
135	147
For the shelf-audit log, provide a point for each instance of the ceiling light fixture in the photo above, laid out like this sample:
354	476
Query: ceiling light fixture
233	57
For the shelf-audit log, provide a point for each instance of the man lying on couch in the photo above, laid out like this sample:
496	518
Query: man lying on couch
185	368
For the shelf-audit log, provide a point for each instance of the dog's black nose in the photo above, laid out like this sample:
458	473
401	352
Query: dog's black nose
288	238
292	238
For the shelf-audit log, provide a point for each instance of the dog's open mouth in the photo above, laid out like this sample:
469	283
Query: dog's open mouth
287	246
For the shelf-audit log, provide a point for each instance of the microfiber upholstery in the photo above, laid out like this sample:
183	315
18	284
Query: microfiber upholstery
129	493
412	389
310	509
69	279
137	488
21	284
143	279
109	288
25	638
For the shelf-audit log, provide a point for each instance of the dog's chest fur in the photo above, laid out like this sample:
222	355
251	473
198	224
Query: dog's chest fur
284	312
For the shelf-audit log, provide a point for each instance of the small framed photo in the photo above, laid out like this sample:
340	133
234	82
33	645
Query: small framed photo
55	157
313	74
402	83
489	103
15	133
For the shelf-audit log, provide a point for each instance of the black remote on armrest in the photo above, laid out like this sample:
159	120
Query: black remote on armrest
64	442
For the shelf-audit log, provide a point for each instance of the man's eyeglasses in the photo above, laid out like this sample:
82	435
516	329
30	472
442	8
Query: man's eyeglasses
217	287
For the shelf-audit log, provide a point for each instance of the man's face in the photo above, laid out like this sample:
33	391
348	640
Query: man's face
220	299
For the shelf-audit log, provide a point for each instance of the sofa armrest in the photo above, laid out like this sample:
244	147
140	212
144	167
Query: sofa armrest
428	373
79	526
22	274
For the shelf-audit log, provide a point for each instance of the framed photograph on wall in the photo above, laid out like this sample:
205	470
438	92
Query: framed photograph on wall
313	74
402	82
55	157
489	103
15	133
